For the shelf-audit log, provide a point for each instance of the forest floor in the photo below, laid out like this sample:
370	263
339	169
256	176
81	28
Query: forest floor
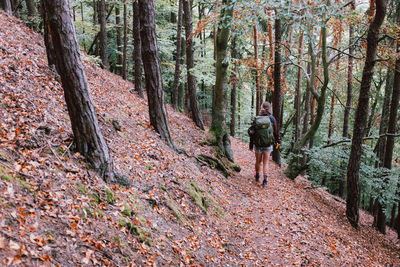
55	211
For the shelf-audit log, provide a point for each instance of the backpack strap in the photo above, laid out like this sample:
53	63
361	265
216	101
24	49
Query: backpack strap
271	118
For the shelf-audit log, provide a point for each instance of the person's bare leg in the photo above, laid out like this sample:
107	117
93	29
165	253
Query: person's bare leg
265	162
258	163
265	167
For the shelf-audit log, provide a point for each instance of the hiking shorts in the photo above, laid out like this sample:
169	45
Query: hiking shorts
260	150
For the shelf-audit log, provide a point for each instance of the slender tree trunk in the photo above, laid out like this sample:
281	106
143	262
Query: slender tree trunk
50	51
256	71
152	70
137	52
191	80
307	101
125	48
177	74
277	95
95	13
353	187
297	101
119	39
87	134
218	125
103	34
30	5
349	79
233	84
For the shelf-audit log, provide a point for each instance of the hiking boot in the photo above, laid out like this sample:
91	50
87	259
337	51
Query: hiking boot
264	184
257	177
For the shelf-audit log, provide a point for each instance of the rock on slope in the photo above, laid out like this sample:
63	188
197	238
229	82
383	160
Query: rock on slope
54	210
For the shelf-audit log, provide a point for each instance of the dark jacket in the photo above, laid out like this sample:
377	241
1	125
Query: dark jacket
277	135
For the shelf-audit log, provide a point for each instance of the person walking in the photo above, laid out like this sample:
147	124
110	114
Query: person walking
264	133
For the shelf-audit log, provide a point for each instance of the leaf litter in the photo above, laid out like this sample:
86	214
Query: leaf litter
55	211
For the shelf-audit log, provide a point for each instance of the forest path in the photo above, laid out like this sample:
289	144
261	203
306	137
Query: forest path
285	224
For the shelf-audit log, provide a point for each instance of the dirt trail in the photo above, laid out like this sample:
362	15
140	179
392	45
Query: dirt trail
285	224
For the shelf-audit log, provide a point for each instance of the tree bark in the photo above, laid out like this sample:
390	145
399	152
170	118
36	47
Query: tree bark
191	80
152	70
103	34
50	51
277	95
119	39
218	125
353	187
125	48
87	134
15	6
137	53
177	74
256	71
297	101
349	79
233	85
30	5
6	6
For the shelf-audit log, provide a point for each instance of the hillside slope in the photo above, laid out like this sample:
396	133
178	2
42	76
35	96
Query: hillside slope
54	210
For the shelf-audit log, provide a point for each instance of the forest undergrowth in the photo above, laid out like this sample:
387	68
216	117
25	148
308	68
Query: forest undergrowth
55	210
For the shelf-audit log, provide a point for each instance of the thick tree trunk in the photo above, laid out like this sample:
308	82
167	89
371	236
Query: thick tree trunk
218	125
125	48
103	34
152	70
119	39
277	95
233	91
87	134
177	74
297	101
6	6
353	187
191	80
30	5
15	6
137	52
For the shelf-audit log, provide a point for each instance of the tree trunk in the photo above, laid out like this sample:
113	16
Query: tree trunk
256	71
119	39
30	5
277	95
15	6
353	187
297	101
380	145
233	85
137	52
191	80
87	134
218	125
50	51
295	165
152	70
103	34
95	13
6	6
125	48
177	74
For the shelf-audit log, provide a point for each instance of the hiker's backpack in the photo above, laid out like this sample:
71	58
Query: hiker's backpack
264	133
